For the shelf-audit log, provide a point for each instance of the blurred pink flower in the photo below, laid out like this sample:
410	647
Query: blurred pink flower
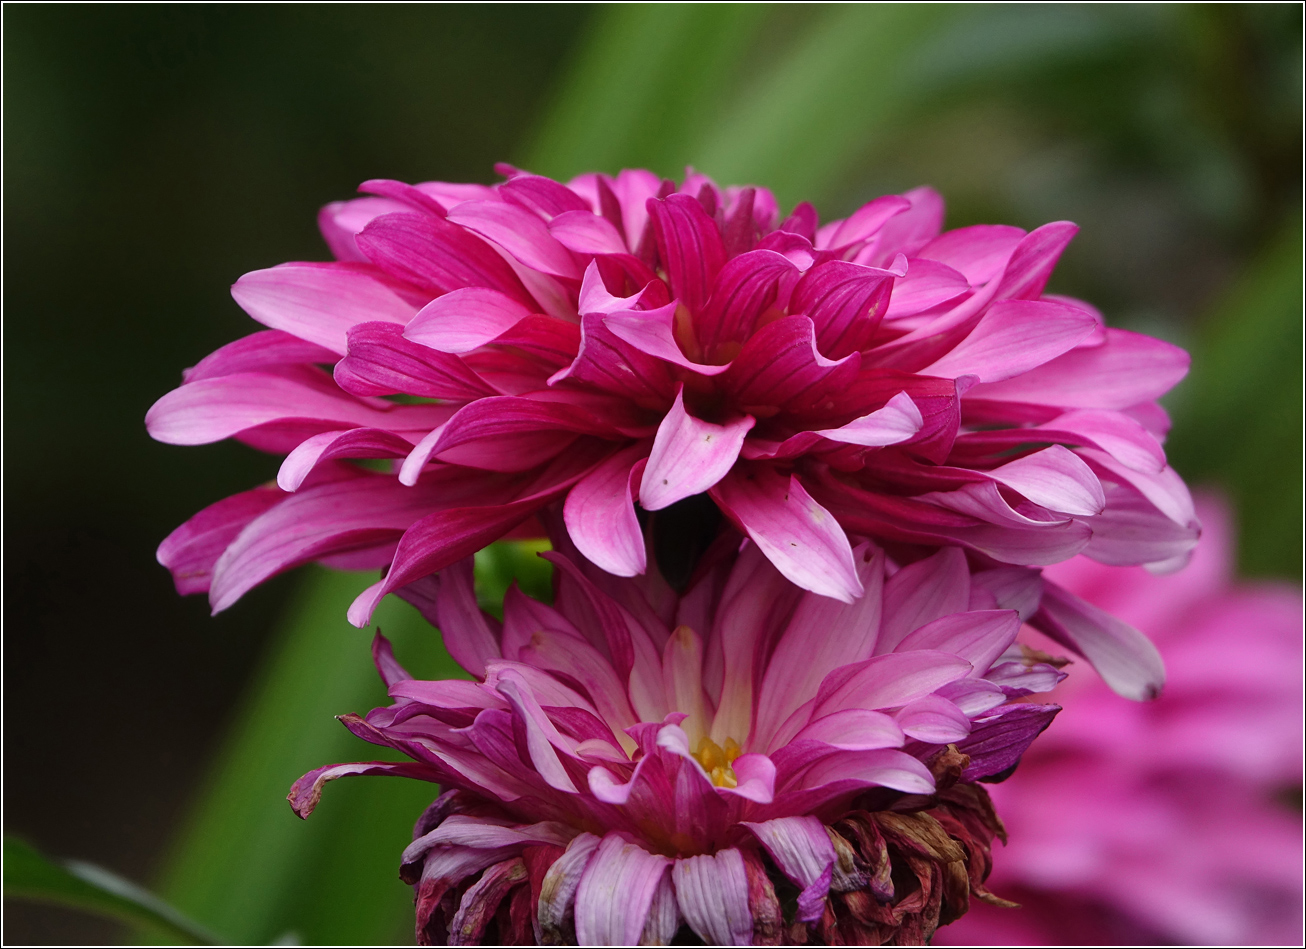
612	773
617	340
1159	822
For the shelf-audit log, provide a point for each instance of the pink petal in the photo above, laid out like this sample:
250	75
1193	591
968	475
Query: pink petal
866	221
927	284
998	740
802	850
845	302
1013	337
979	252
800	537
464	629
854	729
712	892
689	246
558	889
1163	488
663	916
897	421
191	551
911	230
436	255
542	195
520	233
756	776
319	302
806	652
1132	531
978	636
883	768
615	892
689	456
1127	369
921	592
1115	433
465	319
1055	478
506	433
1124	658
933	719
307	791
780	365
600	515
613	365
1033	260
653	332
340	221
744	289
266	349
888	681
382	362
1013	588
347	443
584	232
542	738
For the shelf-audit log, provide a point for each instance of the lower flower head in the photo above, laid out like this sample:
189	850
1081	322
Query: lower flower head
630	760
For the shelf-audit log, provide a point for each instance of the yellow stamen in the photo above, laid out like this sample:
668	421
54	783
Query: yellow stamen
716	761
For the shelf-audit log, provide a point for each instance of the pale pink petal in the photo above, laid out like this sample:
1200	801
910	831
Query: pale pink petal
1124	657
519	232
600	515
615	893
888	681
854	729
865	222
1115	433
584	232
349	443
922	592
883	768
712	892
689	456
978	636
799	536
933	719
897	421
1163	488
558	889
266	349
926	284
653	332
663	916
980	252
1055	478
802	850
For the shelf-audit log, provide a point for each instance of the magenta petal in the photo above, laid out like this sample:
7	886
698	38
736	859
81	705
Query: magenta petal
927	284
653	332
689	246
1120	436
801	848
307	791
318	302
689	456
266	349
507	433
191	551
435	255
933	719
584	232
600	515
1013	337
615	892
866	221
712	892
613	365
519	232
1124	658
998	740
898	420
349	443
1128	369
1055	478
744	289
979	252
465	630
542	737
800	537
756	776
780	365
845	301
1032	261
464	320
381	361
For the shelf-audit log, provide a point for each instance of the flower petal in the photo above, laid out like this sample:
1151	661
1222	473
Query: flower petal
933	719
689	246
192	550
436	255
800	537
615	893
465	319
978	636
558	889
712	892
888	681
600	515
1013	337
921	592
854	729
998	740
689	456
802	850
845	301
519	232
1055	478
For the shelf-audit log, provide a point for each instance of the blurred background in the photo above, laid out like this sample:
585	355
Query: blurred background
153	154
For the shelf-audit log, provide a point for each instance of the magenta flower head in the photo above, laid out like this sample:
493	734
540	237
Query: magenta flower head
625	345
1165	823
631	761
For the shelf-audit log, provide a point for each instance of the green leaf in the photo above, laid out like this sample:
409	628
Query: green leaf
1238	416
85	886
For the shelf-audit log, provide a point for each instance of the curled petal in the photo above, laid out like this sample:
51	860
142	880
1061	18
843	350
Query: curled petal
600	515
802	850
689	456
615	893
712	891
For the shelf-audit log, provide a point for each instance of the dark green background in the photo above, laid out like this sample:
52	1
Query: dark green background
155	153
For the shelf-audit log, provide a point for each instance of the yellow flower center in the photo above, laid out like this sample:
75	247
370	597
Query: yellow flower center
716	761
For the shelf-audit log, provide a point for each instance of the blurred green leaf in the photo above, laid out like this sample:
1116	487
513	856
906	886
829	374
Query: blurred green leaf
246	865
29	875
498	565
1238	416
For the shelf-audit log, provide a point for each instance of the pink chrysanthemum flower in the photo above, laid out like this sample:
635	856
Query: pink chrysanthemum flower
621	341
1159	824
749	760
